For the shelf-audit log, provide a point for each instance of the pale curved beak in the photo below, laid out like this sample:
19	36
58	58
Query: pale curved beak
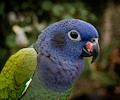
91	49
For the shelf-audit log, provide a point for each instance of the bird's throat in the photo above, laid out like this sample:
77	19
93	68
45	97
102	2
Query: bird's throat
58	76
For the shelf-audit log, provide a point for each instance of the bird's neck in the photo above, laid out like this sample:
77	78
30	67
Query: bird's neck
38	90
58	76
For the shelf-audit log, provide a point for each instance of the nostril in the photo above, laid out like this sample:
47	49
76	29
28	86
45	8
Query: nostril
92	40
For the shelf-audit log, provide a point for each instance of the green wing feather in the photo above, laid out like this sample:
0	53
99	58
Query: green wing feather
16	73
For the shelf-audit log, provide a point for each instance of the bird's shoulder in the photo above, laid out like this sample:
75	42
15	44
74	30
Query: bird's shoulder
17	73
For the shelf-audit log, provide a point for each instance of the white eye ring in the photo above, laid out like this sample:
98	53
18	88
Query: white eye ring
74	35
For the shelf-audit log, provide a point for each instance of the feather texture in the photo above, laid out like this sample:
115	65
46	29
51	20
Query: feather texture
16	72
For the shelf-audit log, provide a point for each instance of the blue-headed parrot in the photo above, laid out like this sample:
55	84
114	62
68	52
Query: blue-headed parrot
48	69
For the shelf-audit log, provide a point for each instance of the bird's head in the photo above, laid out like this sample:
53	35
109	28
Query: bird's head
71	39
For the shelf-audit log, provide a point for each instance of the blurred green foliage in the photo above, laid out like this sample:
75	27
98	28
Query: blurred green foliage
27	18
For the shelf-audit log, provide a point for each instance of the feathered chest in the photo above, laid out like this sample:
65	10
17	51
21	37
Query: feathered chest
58	76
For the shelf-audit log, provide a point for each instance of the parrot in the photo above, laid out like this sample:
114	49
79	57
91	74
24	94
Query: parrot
48	69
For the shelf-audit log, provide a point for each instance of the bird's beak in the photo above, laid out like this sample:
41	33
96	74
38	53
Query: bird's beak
91	49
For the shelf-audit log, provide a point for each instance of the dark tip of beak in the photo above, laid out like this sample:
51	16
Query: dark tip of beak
94	53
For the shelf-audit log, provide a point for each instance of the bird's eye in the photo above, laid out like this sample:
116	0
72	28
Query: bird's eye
74	35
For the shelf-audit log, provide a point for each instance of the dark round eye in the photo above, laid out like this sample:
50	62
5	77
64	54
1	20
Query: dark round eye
74	35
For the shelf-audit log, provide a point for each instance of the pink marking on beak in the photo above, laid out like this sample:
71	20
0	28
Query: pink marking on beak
89	46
